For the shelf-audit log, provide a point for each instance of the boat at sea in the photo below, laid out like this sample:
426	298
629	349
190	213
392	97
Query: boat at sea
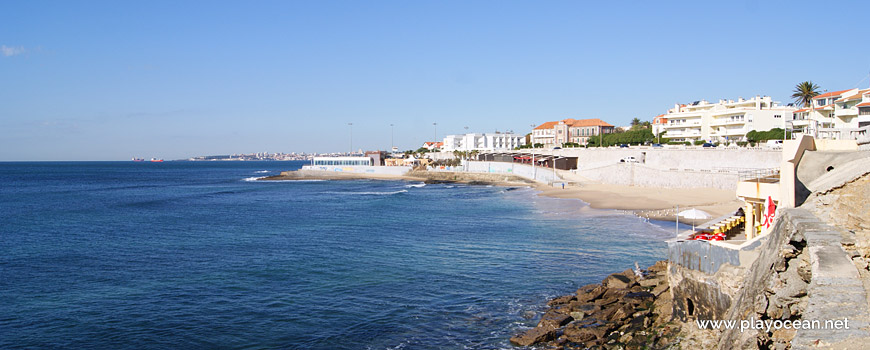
155	160
138	159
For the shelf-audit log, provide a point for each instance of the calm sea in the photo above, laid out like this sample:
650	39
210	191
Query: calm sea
123	255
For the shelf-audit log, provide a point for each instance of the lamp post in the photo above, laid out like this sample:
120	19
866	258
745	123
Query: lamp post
534	170
435	127
351	137
391	138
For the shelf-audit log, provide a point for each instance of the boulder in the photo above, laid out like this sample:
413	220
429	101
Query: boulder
562	300
554	320
585	334
534	336
590	292
618	281
659	267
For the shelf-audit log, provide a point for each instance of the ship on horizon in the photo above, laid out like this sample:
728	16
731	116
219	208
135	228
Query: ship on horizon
155	160
138	159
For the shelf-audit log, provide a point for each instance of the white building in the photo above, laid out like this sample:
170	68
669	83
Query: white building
482	142
723	121
835	115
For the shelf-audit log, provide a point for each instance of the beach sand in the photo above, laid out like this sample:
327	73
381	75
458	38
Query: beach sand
648	202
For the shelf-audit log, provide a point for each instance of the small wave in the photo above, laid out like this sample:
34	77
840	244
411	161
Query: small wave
375	193
249	179
415	185
262	172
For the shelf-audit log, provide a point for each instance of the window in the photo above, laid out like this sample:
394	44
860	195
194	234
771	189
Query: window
777	116
864	111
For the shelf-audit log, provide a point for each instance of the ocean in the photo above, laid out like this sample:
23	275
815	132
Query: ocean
125	255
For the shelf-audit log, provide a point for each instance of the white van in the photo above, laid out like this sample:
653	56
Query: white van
774	144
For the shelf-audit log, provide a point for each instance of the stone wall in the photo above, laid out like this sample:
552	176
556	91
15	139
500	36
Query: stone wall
801	272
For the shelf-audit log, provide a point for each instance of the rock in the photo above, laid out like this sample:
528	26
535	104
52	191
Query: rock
760	303
562	300
657	291
585	334
528	314
789	251
590	293
621	313
553	320
577	315
534	336
618	281
637	298
651	282
659	267
587	308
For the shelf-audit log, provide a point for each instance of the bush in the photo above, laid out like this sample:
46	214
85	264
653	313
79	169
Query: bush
742	143
699	142
751	143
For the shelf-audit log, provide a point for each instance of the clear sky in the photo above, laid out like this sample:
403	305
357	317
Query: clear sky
94	80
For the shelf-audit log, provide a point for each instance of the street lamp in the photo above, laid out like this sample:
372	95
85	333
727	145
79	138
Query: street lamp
351	137
435	126
534	170
391	137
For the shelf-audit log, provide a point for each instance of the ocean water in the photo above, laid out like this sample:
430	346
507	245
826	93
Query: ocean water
171	255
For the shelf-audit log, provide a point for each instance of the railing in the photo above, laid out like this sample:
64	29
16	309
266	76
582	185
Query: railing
759	175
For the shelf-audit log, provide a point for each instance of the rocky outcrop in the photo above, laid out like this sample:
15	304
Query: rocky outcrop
626	311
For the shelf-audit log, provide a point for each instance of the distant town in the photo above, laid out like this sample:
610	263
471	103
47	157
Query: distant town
836	115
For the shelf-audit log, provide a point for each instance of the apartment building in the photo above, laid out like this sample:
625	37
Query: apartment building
557	133
483	142
835	115
723	121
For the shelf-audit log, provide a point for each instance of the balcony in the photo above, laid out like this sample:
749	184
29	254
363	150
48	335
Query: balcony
847	112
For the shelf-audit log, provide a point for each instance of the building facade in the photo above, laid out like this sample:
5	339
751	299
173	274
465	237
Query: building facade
557	133
482	142
724	121
835	115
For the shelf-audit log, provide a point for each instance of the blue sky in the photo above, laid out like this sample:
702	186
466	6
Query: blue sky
93	80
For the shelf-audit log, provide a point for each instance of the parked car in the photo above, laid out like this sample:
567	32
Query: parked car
557	147
657	145
706	145
629	159
623	146
774	144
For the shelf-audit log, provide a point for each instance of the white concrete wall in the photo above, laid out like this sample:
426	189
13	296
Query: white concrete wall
387	170
633	174
667	159
538	174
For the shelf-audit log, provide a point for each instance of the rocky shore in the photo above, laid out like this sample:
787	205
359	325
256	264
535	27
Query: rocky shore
627	310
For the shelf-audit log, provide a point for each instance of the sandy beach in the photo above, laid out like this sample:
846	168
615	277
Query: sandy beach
647	202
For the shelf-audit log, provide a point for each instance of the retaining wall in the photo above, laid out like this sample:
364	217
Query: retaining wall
538	174
635	174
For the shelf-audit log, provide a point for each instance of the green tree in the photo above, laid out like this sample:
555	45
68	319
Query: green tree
804	93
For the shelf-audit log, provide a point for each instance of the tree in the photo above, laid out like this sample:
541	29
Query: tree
635	122
804	93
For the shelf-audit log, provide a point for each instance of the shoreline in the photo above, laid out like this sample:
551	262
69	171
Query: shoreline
651	203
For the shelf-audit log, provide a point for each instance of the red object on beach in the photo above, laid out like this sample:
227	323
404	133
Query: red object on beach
717	238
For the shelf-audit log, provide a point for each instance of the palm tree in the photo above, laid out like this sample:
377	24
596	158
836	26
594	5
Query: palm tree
804	93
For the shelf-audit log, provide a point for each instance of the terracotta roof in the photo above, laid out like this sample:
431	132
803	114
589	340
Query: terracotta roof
865	104
660	117
802	110
856	96
832	93
547	125
589	122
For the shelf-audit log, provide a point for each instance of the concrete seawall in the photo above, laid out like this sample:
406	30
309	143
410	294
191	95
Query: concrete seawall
635	174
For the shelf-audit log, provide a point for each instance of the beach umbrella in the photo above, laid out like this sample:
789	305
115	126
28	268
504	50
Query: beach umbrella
695	214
